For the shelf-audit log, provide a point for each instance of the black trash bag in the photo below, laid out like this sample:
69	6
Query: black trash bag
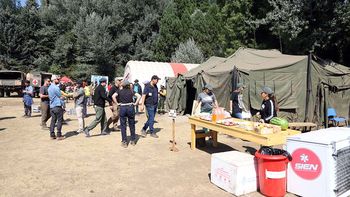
266	150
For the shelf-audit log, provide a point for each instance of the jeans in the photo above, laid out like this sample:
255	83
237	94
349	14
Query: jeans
85	107
237	115
56	117
151	112
100	118
79	111
45	113
127	112
27	110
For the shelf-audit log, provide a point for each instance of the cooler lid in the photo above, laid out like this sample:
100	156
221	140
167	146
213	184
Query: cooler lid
323	136
235	158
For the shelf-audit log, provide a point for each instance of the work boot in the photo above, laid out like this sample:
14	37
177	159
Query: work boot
143	133
86	131
154	135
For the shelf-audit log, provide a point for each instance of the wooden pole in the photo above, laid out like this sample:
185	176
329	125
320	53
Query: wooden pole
173	148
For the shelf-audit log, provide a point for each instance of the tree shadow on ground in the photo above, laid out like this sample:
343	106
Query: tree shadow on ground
1	129
9	117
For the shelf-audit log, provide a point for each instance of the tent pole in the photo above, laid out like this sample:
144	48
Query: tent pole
308	88
325	105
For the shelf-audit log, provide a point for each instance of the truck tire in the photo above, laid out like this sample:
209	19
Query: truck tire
2	93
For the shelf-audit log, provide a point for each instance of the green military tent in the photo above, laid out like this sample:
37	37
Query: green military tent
305	86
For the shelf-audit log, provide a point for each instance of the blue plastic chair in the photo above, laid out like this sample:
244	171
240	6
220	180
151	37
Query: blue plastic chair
332	116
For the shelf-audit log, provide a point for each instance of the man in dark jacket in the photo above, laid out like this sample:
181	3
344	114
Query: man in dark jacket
100	98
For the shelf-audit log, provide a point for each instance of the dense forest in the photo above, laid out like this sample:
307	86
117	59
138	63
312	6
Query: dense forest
80	37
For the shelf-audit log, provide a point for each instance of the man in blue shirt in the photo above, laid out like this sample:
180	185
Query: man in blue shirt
150	99
56	109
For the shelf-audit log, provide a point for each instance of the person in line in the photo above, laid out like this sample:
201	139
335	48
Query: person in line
56	109
127	111
268	106
100	98
79	101
45	103
28	99
162	96
87	90
236	102
150	99
137	89
83	85
115	103
206	100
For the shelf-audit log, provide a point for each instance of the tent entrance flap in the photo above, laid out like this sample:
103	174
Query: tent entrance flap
191	96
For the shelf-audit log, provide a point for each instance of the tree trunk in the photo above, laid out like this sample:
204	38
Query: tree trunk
280	39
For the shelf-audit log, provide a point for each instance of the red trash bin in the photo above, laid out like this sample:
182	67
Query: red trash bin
272	173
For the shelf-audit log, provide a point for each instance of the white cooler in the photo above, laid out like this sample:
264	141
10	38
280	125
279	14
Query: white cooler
321	163
234	172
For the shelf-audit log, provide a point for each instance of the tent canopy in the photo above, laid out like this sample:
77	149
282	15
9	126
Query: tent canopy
303	86
144	70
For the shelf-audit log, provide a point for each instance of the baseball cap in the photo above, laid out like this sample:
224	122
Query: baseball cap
103	80
54	77
145	82
209	87
126	82
136	81
155	77
266	89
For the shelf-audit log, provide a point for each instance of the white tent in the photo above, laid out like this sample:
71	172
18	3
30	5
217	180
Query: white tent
143	70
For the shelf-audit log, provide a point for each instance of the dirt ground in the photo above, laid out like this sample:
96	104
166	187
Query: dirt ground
33	165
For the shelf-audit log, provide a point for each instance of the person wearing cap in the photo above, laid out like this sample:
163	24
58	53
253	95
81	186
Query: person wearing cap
100	98
79	101
137	89
150	100
45	103
115	101
28	99
56	110
206	100
236	102
127	111
268	106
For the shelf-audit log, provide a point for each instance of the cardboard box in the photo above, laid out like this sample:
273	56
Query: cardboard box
235	172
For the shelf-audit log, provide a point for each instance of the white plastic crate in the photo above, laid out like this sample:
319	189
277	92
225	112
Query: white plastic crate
235	172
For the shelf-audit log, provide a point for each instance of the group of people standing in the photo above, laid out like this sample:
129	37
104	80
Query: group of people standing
268	110
124	99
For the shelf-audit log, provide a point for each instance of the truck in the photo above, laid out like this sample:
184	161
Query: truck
37	79
11	81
